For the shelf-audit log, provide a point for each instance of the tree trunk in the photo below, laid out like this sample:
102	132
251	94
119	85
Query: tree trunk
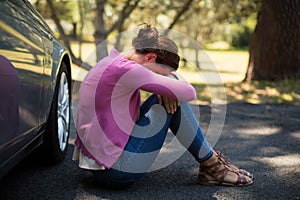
100	34
275	42
81	25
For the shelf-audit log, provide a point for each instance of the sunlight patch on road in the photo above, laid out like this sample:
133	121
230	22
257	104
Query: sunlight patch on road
232	193
270	150
296	135
283	164
259	131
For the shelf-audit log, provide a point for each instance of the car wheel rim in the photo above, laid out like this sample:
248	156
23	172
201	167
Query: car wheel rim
63	112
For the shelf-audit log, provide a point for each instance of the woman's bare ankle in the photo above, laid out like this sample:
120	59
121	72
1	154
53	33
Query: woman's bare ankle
210	161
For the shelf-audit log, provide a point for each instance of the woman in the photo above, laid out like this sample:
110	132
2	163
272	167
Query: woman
118	140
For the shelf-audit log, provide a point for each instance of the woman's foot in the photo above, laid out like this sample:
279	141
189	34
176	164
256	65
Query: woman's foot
217	171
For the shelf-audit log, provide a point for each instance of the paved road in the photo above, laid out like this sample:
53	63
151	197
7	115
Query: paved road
261	138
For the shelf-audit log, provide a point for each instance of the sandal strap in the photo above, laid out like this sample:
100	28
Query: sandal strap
219	174
207	178
226	160
215	166
241	180
215	171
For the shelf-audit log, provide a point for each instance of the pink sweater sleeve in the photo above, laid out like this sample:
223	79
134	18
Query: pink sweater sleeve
140	77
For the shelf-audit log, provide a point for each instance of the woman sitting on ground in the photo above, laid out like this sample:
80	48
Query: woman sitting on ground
118	139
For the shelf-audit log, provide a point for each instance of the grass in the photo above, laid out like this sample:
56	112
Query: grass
256	92
230	67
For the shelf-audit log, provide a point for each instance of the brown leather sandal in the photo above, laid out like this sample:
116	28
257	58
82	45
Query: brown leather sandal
215	173
233	167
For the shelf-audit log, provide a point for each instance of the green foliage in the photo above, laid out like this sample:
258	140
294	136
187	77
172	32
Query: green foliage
211	21
205	21
286	91
240	33
66	10
240	37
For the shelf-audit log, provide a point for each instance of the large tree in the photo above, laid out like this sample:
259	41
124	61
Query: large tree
275	43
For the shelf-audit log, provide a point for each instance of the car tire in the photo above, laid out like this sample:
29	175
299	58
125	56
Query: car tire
55	141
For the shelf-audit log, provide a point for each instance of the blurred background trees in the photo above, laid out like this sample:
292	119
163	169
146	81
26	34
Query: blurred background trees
215	24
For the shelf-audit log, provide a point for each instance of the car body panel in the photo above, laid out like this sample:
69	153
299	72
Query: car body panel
30	57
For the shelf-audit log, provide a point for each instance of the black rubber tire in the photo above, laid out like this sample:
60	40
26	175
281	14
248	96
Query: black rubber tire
50	151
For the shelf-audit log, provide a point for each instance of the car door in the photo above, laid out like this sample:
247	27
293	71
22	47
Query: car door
21	77
49	71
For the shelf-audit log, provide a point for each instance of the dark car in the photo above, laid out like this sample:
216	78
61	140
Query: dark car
35	88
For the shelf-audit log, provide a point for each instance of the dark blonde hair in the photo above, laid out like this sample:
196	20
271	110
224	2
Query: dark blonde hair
149	40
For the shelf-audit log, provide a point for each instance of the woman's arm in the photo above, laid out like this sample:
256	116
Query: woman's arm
144	79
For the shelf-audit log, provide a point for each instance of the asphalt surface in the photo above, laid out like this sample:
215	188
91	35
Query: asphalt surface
263	139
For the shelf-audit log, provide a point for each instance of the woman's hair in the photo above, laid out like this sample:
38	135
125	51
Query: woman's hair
149	40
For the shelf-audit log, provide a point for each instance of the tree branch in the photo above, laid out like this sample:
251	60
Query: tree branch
180	13
124	14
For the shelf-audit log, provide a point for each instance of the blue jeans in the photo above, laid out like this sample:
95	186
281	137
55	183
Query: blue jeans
147	139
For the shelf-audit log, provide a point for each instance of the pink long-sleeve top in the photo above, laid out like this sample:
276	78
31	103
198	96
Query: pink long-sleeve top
109	103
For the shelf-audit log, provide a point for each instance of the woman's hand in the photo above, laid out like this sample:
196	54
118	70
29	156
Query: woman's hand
169	103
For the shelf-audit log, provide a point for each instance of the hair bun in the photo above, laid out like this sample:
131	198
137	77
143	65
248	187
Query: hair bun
147	38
